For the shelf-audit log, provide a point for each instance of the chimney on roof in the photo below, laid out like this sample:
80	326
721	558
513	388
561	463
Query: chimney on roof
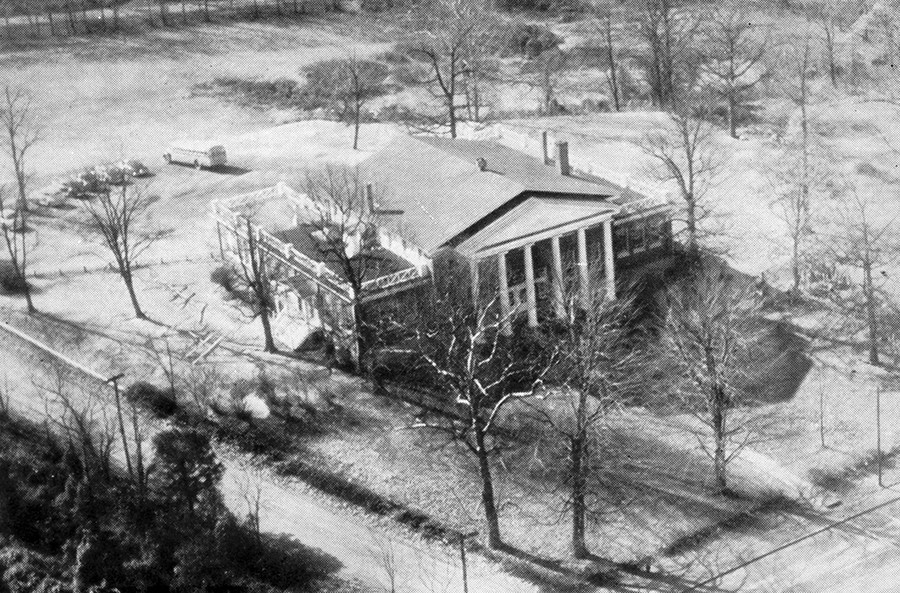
545	144
482	163
562	158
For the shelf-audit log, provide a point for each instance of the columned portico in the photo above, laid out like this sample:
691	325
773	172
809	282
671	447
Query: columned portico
530	291
502	280
531	244
609	268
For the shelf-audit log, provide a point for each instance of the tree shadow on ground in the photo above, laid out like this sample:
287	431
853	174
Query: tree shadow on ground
286	563
779	368
592	572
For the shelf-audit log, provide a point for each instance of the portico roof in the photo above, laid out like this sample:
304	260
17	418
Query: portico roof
537	218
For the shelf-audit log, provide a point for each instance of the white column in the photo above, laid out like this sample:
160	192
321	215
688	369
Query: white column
476	281
584	273
558	281
530	294
504	293
609	260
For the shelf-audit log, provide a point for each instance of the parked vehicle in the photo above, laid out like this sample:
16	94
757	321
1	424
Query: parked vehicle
121	172
89	183
198	154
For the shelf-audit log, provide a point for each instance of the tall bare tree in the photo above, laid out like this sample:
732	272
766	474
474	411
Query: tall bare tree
798	175
118	218
827	15
867	244
597	369
345	86
684	152
20	134
734	51
346	233
444	35
712	329
255	281
800	181
463	351
668	31
606	26
15	228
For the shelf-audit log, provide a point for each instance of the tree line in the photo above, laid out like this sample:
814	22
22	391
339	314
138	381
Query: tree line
99	17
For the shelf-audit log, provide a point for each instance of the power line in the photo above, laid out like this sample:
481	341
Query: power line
791	543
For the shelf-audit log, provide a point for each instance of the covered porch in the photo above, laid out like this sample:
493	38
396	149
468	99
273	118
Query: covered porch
543	254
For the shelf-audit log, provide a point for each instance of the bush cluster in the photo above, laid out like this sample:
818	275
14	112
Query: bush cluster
162	402
528	39
10	281
68	525
224	276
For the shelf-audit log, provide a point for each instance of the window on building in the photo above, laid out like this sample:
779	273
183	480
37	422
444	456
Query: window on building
620	239
656	231
636	235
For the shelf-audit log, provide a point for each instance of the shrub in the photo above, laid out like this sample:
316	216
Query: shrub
280	93
224	276
10	281
29	572
161	402
528	39
552	6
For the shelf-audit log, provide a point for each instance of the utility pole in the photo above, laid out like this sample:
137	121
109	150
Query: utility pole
878	433
115	383
462	555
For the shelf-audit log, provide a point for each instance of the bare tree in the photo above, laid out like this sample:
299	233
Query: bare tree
668	31
868	245
362	81
800	180
14	225
545	72
466	357
685	153
20	134
256	282
799	175
827	15
443	38
346	233
606	27
383	555
598	367
734	52
712	330
118	219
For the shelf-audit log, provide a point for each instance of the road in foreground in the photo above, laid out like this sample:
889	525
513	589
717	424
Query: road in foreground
374	556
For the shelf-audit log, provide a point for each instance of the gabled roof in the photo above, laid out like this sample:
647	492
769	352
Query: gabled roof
533	220
441	190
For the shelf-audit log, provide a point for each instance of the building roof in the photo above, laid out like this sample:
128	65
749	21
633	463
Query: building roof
379	261
533	220
441	190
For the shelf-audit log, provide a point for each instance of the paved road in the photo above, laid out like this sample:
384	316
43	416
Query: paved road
365	553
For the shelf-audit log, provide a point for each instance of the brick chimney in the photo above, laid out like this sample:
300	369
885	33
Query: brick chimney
546	147
562	158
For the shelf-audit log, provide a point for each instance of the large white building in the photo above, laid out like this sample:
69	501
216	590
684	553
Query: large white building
525	228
